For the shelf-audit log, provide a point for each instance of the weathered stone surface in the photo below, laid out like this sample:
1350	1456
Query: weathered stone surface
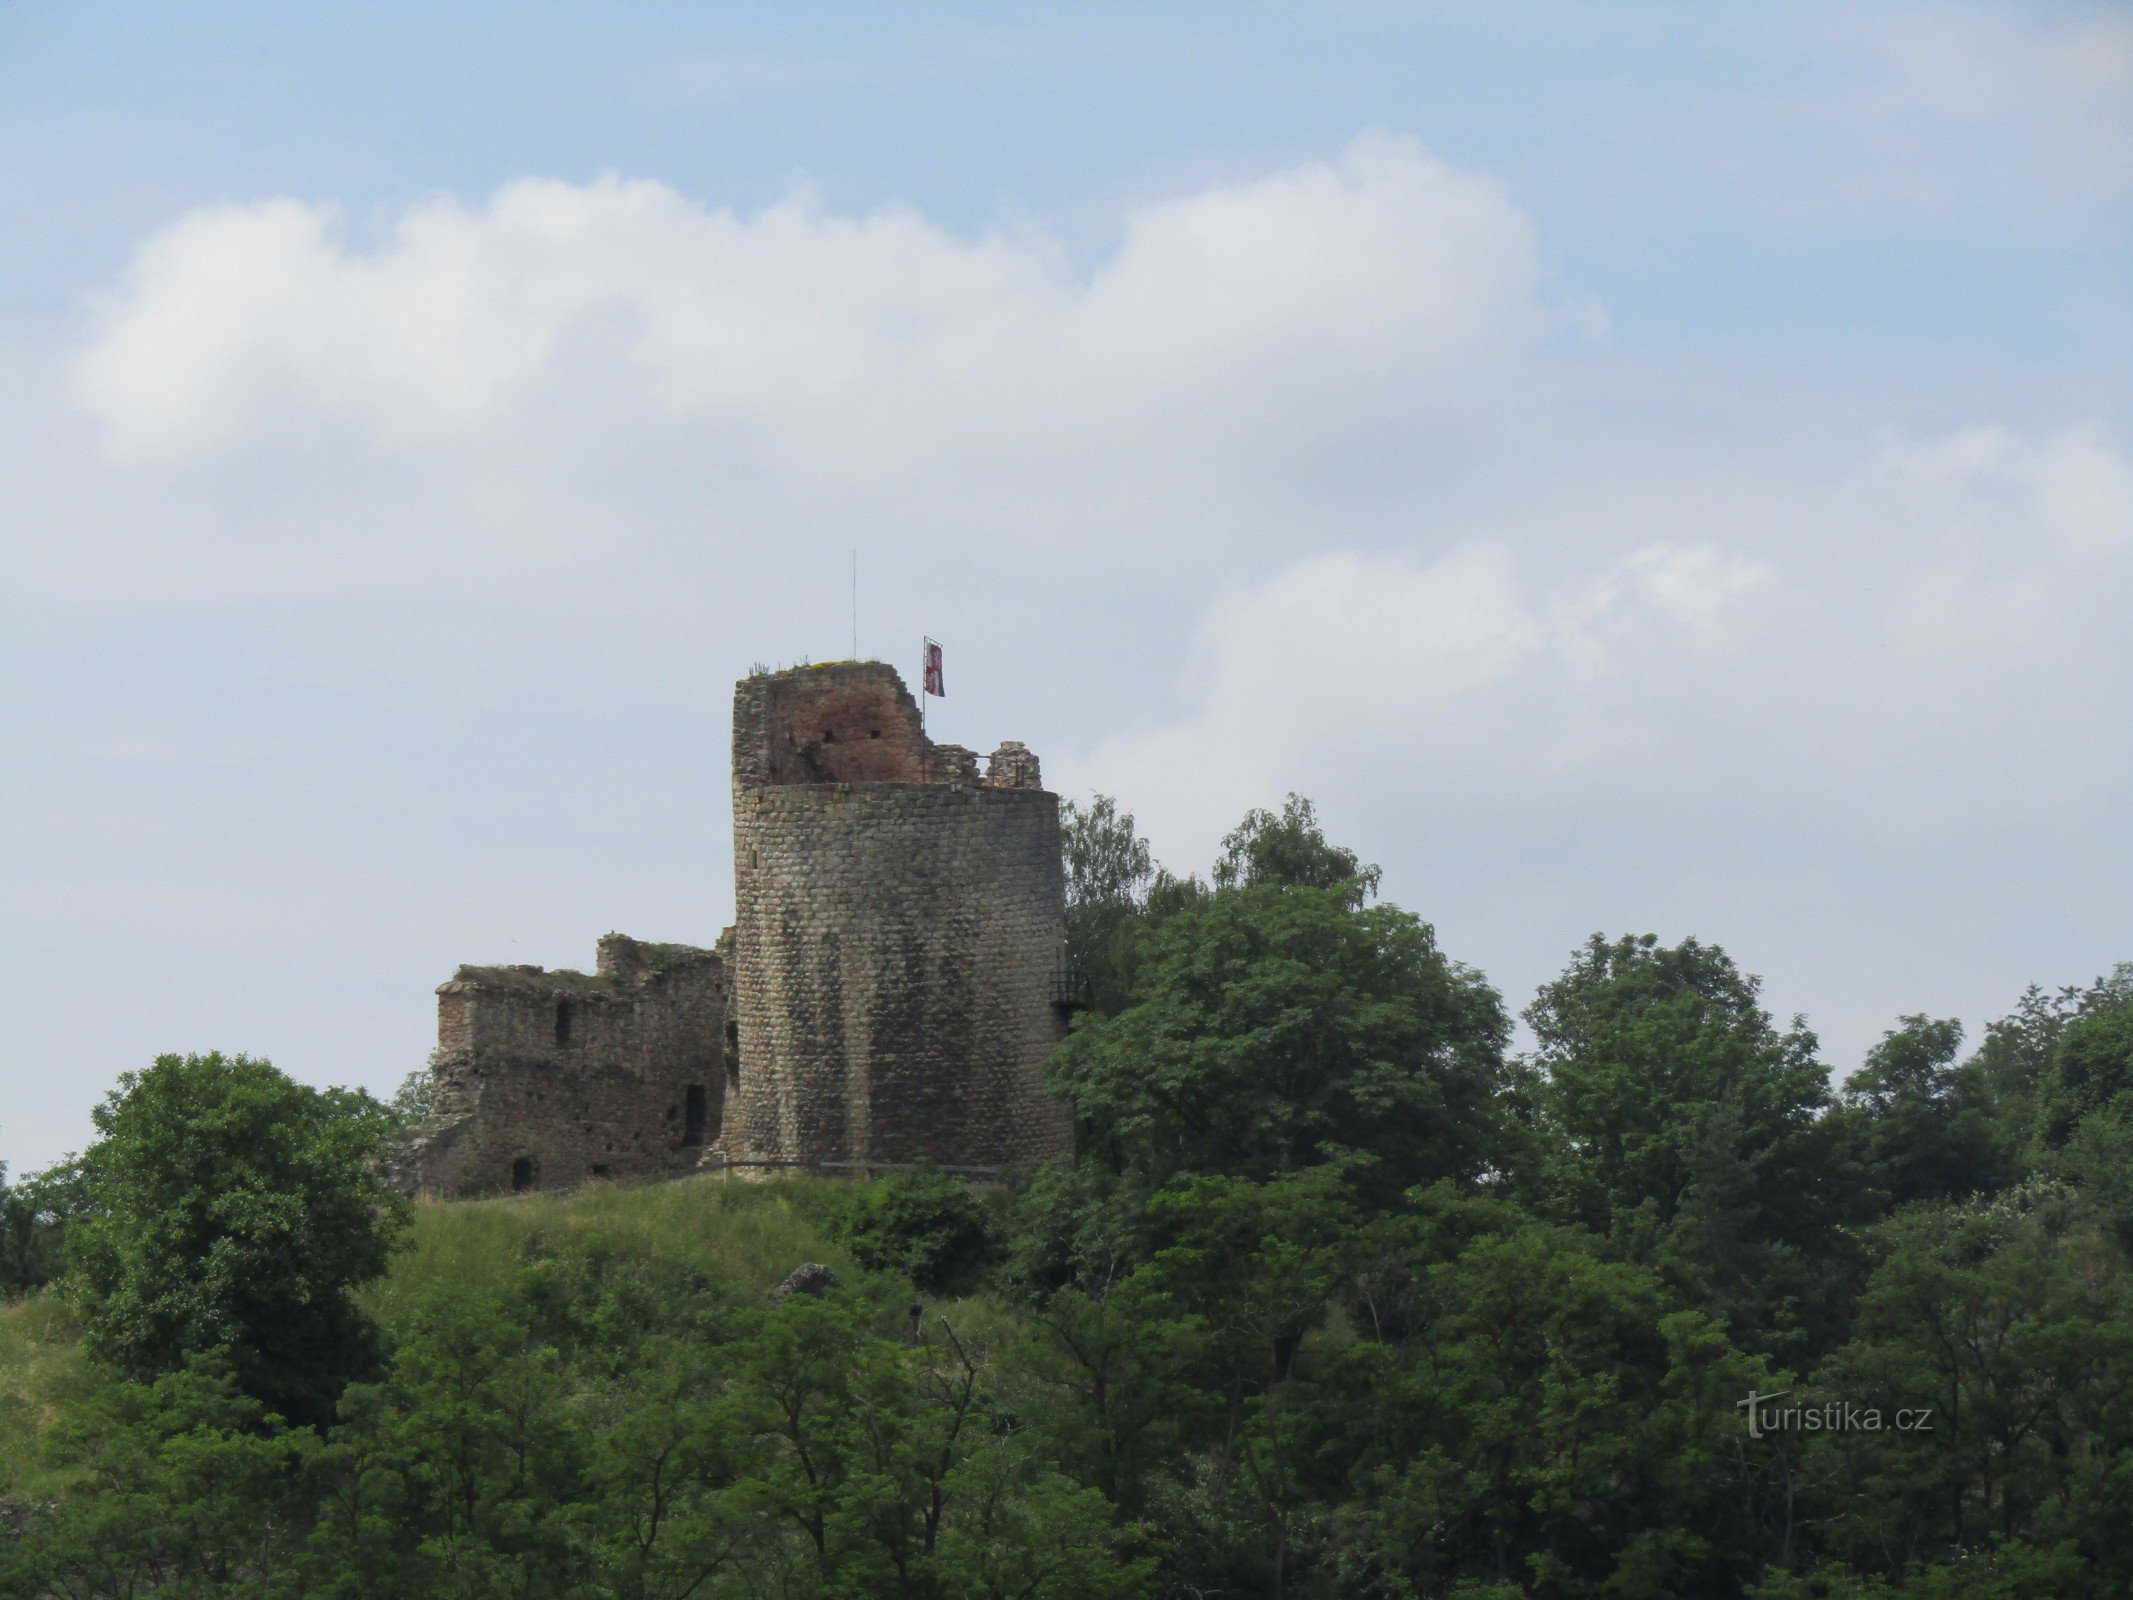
545	1080
1013	766
896	946
810	1277
885	995
952	764
853	722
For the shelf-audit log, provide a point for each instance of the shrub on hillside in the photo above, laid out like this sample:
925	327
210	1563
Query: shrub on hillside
923	1224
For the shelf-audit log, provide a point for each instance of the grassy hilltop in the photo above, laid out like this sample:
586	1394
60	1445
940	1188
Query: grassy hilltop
747	1236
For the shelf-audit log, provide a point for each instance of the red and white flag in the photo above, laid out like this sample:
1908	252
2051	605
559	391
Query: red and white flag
934	682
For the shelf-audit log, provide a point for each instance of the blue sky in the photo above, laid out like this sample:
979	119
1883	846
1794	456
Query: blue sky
1638	467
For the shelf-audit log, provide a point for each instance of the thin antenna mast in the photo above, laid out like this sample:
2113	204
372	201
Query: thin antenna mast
855	603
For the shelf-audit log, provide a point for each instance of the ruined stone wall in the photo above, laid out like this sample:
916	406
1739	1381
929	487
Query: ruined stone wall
548	1079
898	942
853	722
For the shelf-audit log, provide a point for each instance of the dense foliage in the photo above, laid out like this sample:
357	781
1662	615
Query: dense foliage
234	1211
1340	1299
1271	1027
35	1215
922	1225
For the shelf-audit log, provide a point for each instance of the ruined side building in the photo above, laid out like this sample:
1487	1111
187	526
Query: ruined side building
891	984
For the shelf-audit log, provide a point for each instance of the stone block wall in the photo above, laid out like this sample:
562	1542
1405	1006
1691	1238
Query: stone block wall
851	722
897	946
548	1079
1013	766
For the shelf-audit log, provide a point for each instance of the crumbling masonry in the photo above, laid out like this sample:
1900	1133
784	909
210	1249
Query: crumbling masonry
893	980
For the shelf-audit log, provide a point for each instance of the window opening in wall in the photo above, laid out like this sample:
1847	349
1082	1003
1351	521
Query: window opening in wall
733	1051
829	735
522	1174
601	1169
873	733
692	1126
562	1022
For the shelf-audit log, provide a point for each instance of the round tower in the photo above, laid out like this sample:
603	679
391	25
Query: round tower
898	935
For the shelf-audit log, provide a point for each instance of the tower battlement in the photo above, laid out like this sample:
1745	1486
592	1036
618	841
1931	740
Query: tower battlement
852	722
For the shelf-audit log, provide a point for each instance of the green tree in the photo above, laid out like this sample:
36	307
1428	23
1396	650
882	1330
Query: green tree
35	1214
183	1487
236	1210
892	1471
1524	1412
1115	892
1925	1135
2008	1068
2007	1324
1272	1026
2098	1159
1108	871
411	1102
2074	1116
1252	1269
1289	849
465	1471
2090	1071
1683	1120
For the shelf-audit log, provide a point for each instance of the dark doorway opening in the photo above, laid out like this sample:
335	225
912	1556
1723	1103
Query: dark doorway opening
522	1174
698	1112
562	1022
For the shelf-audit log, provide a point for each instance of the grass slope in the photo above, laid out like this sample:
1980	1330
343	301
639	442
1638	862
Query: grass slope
749	1235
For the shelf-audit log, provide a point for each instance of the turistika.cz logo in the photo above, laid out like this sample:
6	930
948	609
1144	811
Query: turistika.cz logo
1832	1416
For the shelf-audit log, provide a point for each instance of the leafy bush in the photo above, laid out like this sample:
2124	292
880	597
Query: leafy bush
925	1225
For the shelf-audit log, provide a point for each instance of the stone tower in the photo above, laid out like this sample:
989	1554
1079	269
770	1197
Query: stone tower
898	937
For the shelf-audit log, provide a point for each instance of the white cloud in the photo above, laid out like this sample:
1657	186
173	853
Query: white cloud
1351	675
1226	320
1988	493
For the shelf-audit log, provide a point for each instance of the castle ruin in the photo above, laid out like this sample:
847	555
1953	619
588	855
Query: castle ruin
892	982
